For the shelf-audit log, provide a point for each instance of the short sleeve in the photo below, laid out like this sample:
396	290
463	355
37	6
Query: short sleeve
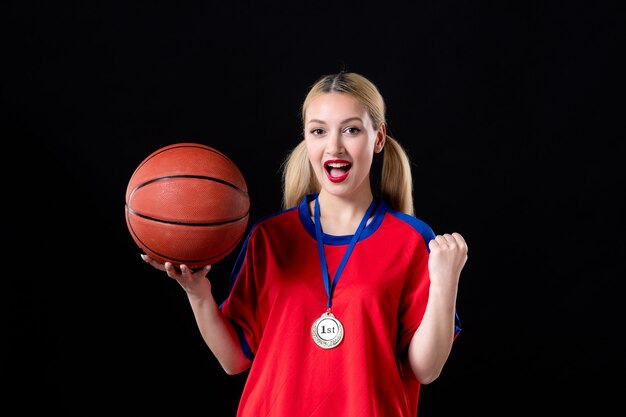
241	303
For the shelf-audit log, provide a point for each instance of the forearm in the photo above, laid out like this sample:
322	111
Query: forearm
219	334
431	344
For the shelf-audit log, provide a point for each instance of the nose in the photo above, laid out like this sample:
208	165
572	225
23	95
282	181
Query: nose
334	144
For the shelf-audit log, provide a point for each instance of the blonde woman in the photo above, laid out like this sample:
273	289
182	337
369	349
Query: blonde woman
344	302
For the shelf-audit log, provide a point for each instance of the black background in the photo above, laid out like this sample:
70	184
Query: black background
512	114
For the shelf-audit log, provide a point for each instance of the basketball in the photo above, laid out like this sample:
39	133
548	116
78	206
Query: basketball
187	203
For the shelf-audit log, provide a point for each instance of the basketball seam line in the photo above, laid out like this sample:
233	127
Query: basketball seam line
203	177
143	216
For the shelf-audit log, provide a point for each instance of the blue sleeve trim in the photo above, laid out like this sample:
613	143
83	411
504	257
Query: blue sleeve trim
419	225
244	343
242	339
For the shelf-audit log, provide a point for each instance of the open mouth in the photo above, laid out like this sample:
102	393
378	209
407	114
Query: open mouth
337	171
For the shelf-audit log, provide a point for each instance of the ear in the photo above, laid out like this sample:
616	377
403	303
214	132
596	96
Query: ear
381	137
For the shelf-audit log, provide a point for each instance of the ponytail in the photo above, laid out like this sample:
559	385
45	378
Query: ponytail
396	180
298	177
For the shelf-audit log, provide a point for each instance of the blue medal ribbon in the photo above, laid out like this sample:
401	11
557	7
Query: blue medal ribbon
330	286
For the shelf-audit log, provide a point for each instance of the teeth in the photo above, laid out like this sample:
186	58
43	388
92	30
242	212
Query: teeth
337	165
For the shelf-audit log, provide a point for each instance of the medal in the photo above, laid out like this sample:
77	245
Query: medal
327	330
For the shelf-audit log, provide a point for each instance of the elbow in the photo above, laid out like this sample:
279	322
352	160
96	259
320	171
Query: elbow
426	378
235	368
426	374
232	371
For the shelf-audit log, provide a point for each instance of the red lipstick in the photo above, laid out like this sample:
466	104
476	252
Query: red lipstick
337	170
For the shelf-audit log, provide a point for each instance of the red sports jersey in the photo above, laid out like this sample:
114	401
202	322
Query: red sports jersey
277	292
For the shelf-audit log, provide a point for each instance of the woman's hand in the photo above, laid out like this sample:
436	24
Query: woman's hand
194	282
448	254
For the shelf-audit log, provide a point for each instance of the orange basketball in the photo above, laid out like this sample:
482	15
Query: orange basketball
187	203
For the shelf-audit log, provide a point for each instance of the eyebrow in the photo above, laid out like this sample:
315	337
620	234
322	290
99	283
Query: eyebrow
350	119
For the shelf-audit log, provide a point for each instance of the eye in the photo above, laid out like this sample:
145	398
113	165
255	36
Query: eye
317	132
352	130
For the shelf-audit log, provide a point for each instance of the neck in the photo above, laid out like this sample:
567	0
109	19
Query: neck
342	215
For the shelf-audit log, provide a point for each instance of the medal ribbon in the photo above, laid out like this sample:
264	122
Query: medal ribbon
330	286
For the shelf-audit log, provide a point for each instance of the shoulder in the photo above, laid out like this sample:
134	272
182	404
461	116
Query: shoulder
283	218
416	224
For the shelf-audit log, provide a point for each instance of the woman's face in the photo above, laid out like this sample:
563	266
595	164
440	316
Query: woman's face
341	141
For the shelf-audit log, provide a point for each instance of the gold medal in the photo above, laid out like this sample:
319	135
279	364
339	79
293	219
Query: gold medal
327	331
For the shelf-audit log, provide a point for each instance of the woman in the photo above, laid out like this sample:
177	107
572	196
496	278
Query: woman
343	303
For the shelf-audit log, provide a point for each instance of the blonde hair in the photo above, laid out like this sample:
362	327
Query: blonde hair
396	184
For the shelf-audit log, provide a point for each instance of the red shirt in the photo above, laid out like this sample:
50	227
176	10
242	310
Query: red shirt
277	292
